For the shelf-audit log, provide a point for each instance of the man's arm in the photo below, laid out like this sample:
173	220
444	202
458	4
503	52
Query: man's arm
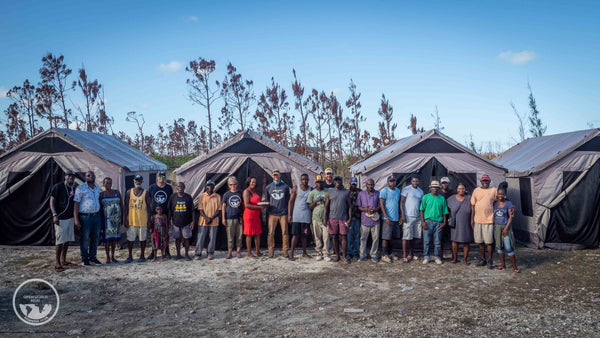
76	214
402	206
223	209
126	209
53	210
423	223
382	206
291	203
326	210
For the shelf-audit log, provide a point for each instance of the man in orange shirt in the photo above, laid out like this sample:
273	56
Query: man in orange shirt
209	206
482	219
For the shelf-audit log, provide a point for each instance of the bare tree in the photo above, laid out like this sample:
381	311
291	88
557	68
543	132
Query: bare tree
273	106
238	95
105	122
54	73
200	91
437	122
45	97
338	121
414	129
386	127
90	91
300	106
356	118
536	127
25	99
15	128
139	120
520	118
317	108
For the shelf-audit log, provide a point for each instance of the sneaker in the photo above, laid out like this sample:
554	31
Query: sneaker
362	259
375	259
438	261
95	261
129	260
490	265
319	258
328	259
178	257
188	258
115	261
481	262
141	260
386	259
197	258
425	260
348	260
86	263
405	260
211	257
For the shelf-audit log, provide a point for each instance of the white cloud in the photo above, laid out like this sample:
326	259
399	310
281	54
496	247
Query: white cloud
519	58
143	105
192	18
172	66
3	92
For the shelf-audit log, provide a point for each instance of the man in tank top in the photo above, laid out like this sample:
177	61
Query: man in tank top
299	215
137	217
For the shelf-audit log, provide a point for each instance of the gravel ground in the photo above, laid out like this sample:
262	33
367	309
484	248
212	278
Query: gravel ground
556	294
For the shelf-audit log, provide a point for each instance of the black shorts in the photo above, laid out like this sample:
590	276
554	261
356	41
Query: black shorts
300	228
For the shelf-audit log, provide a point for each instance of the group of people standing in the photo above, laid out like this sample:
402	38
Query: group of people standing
339	219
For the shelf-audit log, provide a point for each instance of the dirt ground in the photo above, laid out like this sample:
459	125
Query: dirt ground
556	294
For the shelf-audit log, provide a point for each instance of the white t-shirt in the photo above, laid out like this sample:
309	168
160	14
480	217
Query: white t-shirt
413	200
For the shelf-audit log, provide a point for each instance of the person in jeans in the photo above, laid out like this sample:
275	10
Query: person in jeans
336	215
482	219
434	212
316	203
368	204
355	216
504	212
209	206
410	217
299	215
389	198
278	194
232	209
86	212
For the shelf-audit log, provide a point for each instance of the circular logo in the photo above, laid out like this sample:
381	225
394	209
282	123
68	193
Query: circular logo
160	197
36	302
235	201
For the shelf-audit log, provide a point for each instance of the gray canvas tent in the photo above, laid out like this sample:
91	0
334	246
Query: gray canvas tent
28	172
430	155
554	182
246	154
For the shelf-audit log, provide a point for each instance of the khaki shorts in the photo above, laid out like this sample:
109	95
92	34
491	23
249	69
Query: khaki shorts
133	232
64	232
412	228
483	233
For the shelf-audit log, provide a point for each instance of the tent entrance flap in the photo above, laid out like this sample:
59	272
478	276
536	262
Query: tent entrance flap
576	219
435	170
25	217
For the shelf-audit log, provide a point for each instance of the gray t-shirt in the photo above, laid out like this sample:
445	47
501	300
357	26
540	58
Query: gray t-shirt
338	203
278	195
413	201
301	211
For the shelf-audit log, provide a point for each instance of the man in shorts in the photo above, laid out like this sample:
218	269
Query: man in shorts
61	206
482	219
316	203
181	213
137	217
336	215
410	202
389	199
299	215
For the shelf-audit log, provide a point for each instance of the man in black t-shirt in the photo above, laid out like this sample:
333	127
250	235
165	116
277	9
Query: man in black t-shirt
232	210
61	206
160	192
181	214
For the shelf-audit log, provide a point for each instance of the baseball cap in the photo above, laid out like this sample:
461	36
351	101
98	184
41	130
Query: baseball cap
353	180
162	174
445	180
71	173
328	171
138	178
209	182
485	177
319	178
232	180
391	178
275	171
434	184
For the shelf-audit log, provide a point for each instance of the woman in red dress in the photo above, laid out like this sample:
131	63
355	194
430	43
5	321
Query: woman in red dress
252	224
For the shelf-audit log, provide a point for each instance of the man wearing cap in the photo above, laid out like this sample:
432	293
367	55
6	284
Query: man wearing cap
482	219
61	207
355	216
181	216
299	215
86	214
328	184
410	217
336	216
445	191
389	199
209	206
278	194
137	217
316	203
368	204
232	211
434	213
160	193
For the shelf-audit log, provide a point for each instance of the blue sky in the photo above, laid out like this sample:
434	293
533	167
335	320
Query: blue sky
468	58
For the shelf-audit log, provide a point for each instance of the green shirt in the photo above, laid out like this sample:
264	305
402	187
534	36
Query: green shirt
317	212
434	207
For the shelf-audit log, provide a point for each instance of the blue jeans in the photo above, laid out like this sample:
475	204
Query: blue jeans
354	237
508	249
90	233
432	231
203	231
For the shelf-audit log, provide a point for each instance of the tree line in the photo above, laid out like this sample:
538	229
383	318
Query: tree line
314	123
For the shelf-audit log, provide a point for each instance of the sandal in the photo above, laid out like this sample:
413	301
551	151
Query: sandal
466	262
68	264
500	267
517	270
454	261
59	268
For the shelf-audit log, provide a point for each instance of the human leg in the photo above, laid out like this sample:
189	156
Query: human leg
84	240
285	235
203	231
272	223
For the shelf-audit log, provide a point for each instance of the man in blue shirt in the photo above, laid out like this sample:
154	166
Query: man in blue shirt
389	198
87	218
